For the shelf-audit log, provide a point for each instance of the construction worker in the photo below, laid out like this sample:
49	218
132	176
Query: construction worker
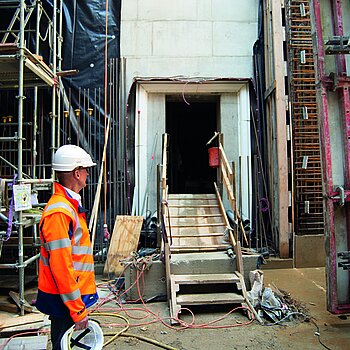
66	269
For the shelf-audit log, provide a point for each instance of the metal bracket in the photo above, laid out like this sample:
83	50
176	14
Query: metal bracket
344	255
340	195
338	45
345	265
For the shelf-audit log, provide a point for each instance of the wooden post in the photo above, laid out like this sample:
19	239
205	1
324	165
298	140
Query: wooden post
281	130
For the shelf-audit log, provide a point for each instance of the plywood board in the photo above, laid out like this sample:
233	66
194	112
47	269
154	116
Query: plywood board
22	343
9	321
125	238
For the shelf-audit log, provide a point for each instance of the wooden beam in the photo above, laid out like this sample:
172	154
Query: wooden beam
225	162
281	130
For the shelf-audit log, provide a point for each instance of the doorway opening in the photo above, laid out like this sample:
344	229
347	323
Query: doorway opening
190	125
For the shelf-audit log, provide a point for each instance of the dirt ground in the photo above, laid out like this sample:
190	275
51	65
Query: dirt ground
306	288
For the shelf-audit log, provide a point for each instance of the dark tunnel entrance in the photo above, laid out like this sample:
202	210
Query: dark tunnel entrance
190	124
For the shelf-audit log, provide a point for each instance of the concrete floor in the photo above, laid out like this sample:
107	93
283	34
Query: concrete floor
308	285
305	285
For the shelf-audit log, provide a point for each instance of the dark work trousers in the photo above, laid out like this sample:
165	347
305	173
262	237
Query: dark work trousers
58	327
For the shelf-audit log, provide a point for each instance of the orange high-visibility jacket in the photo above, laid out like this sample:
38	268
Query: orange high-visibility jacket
66	268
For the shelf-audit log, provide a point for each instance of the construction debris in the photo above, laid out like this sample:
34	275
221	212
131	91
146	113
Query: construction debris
276	306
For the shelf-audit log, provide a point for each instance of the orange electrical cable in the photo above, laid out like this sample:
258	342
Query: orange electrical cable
183	325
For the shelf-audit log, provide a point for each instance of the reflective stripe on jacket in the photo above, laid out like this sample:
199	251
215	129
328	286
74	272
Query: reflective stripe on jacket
66	267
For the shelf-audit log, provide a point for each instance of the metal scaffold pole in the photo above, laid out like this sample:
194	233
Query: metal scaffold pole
54	68
20	146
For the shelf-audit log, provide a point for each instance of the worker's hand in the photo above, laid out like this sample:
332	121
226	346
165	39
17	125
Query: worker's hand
83	324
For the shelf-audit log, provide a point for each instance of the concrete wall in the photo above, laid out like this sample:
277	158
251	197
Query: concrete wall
192	38
187	39
309	251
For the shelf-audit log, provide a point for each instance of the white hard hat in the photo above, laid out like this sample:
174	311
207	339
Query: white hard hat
89	338
69	157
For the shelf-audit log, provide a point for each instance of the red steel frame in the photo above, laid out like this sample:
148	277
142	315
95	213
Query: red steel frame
332	196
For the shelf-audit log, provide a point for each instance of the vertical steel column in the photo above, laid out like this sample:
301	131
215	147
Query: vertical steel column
344	102
20	150
343	92
58	43
326	157
35	116
54	87
333	303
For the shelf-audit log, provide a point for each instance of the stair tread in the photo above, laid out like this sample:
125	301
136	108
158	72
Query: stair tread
205	278
191	205
195	216
205	298
197	235
201	247
196	224
192	196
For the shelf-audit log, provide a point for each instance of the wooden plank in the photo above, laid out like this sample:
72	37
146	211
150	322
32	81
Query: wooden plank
196	225
164	165
225	164
221	205
8	307
195	234
194	206
191	196
212	210
206	278
197	230
196	221
7	321
173	300
203	248
197	241
125	238
191	202
203	298
281	129
196	216
23	343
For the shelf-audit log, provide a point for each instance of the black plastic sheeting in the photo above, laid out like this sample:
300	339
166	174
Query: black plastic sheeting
84	40
259	132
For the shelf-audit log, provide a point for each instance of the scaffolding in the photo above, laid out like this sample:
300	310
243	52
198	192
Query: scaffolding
24	71
308	198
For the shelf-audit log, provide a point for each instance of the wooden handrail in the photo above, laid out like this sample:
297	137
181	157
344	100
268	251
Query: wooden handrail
228	187
227	175
225	163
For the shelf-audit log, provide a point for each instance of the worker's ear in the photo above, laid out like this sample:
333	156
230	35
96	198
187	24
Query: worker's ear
76	174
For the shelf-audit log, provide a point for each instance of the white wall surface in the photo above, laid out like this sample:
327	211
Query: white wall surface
191	38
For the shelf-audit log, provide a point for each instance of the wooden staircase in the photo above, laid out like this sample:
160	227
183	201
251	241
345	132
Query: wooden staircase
196	224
